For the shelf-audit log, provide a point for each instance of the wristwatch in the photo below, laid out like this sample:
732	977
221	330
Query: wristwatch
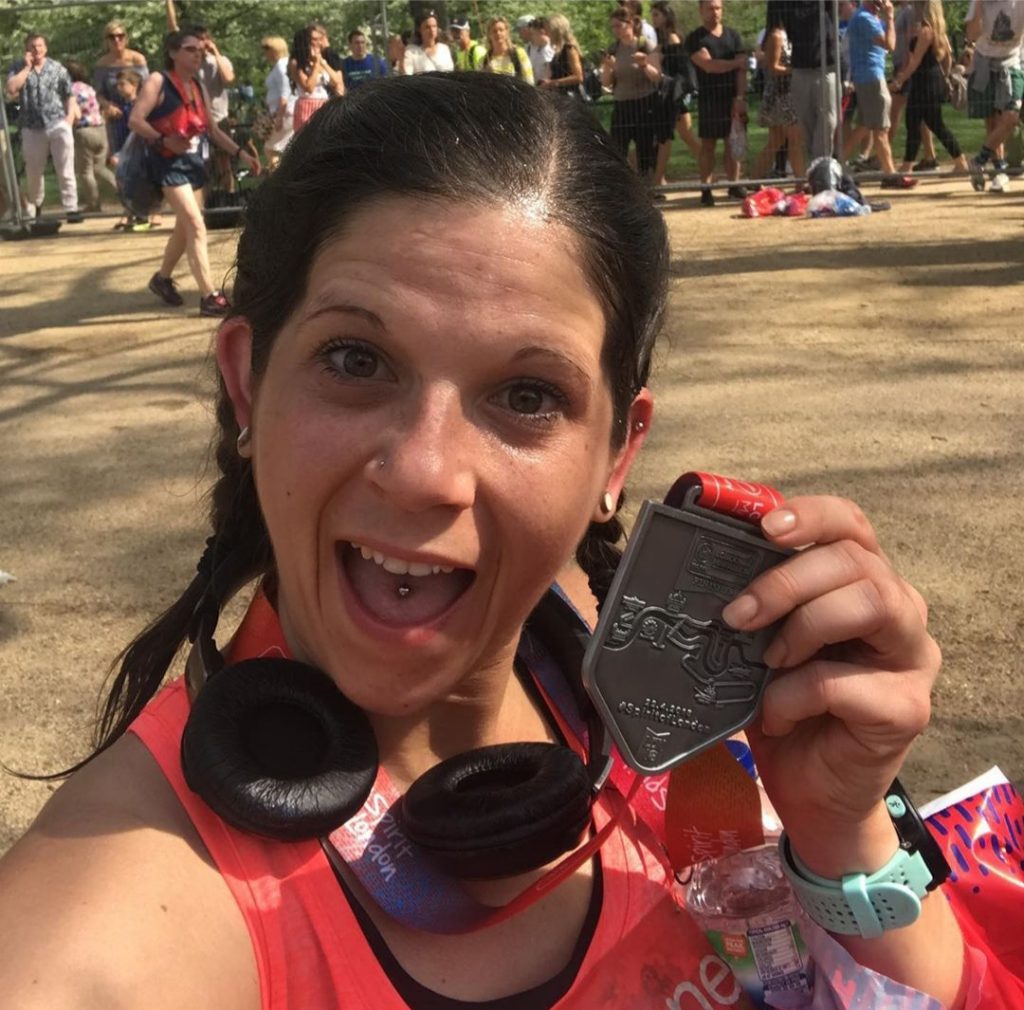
869	904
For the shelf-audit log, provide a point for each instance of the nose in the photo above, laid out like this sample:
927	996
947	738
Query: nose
427	460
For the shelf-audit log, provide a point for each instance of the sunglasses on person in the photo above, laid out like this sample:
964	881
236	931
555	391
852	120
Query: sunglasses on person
115	35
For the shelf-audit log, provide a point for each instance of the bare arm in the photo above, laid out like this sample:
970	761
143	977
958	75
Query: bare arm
15	82
702	61
145	103
172	16
575	75
225	143
925	38
224	67
112	902
774	61
972	29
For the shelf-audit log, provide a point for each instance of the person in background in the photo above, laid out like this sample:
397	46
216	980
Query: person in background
279	97
396	51
673	115
48	107
216	74
870	36
929	61
360	65
469	54
803	22
631	69
116	57
721	63
522	27
502	56
995	36
647	30
315	81
90	135
567	63
172	115
330	55
777	112
427	52
126	90
903	22
540	51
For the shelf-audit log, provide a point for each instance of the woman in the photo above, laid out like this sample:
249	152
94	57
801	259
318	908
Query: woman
314	78
567	63
777	110
928	62
172	115
91	150
279	97
502	56
426	52
413	437
674	114
116	57
632	71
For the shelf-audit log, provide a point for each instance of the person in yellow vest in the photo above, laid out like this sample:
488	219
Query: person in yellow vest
502	56
469	54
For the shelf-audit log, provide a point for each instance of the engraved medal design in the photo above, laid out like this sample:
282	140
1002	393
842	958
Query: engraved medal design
667	675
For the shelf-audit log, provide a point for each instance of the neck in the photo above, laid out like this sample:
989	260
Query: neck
490	707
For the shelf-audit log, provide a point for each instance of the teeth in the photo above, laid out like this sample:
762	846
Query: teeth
396	566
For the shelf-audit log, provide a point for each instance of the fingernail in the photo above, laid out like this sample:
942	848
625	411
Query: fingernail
741	611
778	522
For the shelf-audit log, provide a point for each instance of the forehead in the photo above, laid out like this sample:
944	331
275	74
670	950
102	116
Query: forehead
472	271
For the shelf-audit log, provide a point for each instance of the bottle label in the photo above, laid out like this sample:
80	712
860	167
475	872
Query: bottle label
766	956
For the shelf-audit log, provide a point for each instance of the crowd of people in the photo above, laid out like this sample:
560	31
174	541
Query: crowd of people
658	80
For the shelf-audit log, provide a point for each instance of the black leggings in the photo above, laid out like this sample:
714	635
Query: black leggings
924	105
634	120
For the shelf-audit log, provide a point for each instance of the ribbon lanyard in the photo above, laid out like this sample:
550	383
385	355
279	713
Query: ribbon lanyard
402	879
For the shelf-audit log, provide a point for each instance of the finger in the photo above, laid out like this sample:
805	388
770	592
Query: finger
820	519
885	711
879	615
800	579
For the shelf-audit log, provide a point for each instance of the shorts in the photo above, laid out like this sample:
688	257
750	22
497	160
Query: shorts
1002	94
873	105
776	102
714	110
181	170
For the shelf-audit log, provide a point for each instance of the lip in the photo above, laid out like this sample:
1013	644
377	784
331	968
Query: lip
412	635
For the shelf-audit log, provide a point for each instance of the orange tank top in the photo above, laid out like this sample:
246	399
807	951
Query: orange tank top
646	951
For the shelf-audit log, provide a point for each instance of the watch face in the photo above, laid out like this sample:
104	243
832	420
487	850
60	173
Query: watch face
914	833
667	675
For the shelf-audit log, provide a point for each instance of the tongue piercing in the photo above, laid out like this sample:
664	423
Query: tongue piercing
404	590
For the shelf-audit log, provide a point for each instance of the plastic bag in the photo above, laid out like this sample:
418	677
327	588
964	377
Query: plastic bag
136	177
763	203
831	203
738	139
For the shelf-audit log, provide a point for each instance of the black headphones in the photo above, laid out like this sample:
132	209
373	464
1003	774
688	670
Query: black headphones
275	749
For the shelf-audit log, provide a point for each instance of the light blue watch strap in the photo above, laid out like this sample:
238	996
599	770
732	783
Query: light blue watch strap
859	904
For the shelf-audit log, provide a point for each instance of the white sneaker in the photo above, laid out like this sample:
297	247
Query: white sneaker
1000	183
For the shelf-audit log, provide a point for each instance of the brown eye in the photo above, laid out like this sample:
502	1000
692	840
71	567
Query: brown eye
526	400
360	363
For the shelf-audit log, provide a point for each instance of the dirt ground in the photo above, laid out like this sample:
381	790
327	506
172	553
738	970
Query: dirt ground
878	358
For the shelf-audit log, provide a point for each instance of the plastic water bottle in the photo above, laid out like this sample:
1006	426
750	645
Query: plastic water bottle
747	910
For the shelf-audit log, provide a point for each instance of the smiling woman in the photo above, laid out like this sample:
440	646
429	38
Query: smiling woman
421	419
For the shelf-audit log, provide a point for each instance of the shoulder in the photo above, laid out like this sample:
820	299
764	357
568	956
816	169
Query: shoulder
136	58
111	899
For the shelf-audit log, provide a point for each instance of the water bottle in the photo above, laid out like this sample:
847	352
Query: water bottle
747	910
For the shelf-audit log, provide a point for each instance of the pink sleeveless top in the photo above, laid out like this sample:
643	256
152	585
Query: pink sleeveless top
310	951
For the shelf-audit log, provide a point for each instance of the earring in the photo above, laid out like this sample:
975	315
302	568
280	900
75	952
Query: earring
381	463
607	505
243	443
639	426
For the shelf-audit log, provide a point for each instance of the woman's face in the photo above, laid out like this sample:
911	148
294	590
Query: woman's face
428	31
116	39
657	18
431	437
499	35
189	56
622	30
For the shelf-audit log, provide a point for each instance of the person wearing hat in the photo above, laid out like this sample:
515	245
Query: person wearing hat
523	28
469	54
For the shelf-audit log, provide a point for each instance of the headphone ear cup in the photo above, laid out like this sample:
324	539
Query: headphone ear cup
501	810
275	749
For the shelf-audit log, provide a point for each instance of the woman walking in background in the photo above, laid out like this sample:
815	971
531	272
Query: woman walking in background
279	98
673	114
427	52
928	62
172	115
502	56
777	110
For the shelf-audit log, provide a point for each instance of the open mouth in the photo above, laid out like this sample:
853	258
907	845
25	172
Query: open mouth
398	592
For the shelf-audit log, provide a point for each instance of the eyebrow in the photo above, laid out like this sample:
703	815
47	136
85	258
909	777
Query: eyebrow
319	309
535	351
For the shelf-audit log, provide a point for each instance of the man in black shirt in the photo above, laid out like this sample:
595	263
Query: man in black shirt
804	21
721	65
